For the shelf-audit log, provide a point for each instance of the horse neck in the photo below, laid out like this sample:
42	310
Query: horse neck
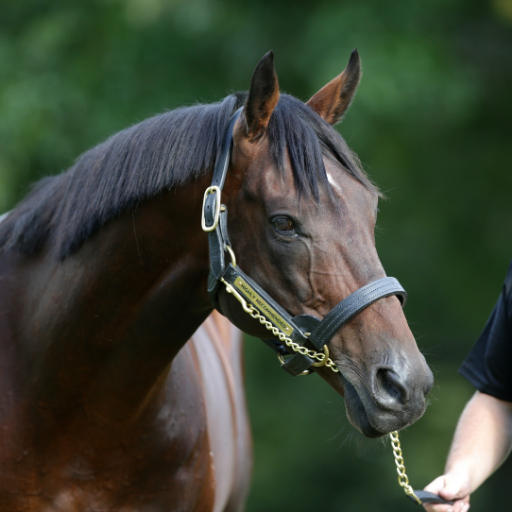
103	325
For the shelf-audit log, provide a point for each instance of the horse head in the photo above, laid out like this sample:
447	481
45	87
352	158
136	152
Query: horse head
301	220
302	215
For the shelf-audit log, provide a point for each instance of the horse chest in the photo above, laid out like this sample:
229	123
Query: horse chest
164	463
181	454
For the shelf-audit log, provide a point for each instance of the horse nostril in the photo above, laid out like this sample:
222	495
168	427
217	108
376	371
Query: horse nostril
389	385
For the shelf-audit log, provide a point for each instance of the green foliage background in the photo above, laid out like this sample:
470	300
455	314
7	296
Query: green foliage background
432	123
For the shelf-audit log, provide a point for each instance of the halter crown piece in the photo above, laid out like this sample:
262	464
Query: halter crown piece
292	332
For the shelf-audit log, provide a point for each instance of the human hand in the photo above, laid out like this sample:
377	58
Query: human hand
452	487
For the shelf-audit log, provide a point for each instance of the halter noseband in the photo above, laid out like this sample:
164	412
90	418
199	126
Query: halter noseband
293	332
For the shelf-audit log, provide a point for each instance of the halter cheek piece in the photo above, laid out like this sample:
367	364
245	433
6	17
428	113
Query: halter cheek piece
294	331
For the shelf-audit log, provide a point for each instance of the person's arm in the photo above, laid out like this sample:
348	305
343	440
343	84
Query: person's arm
482	441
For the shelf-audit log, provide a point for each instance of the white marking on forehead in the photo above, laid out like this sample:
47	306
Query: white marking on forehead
333	184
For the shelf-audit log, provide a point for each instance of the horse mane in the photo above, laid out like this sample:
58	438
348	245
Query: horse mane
160	153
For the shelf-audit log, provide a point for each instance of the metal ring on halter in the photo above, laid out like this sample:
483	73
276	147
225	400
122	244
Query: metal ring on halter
324	360
231	254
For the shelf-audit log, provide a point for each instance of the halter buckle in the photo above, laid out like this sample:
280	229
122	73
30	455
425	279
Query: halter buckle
216	214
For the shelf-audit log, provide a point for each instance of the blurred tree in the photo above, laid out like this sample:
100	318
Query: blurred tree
431	123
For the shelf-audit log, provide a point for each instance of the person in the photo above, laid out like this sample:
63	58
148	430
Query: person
483	437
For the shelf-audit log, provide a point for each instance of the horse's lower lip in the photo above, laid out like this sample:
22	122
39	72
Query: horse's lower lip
357	414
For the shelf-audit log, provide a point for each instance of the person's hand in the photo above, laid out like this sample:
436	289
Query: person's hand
452	487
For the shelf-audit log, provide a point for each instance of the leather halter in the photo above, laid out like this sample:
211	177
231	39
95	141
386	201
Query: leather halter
300	328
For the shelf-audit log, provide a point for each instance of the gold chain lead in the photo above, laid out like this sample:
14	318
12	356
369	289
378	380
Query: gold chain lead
325	360
403	479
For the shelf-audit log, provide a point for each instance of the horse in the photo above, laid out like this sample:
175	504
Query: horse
121	389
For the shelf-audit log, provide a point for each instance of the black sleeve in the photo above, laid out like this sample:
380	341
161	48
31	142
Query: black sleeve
489	364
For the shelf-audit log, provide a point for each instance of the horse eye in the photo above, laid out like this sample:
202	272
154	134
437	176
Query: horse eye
284	225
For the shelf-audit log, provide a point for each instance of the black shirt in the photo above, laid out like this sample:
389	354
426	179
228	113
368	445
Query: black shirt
489	364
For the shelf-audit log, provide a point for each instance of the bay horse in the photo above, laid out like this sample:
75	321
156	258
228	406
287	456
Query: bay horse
105	404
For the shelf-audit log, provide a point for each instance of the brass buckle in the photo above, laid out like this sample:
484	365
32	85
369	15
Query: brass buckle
211	190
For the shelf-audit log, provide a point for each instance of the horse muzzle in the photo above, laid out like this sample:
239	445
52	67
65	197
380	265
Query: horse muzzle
387	400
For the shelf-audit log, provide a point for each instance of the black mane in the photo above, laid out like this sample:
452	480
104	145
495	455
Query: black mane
158	154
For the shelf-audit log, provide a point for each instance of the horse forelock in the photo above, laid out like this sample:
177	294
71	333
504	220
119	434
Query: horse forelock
156	155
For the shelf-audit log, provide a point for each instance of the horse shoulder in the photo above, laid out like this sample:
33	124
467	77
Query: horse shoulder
217	345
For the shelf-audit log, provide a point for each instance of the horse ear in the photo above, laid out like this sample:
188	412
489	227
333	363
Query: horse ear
262	99
332	101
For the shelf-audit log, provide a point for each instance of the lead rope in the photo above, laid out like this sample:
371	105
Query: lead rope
322	360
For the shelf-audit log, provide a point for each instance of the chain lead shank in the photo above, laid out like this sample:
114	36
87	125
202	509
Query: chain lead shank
323	360
403	479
